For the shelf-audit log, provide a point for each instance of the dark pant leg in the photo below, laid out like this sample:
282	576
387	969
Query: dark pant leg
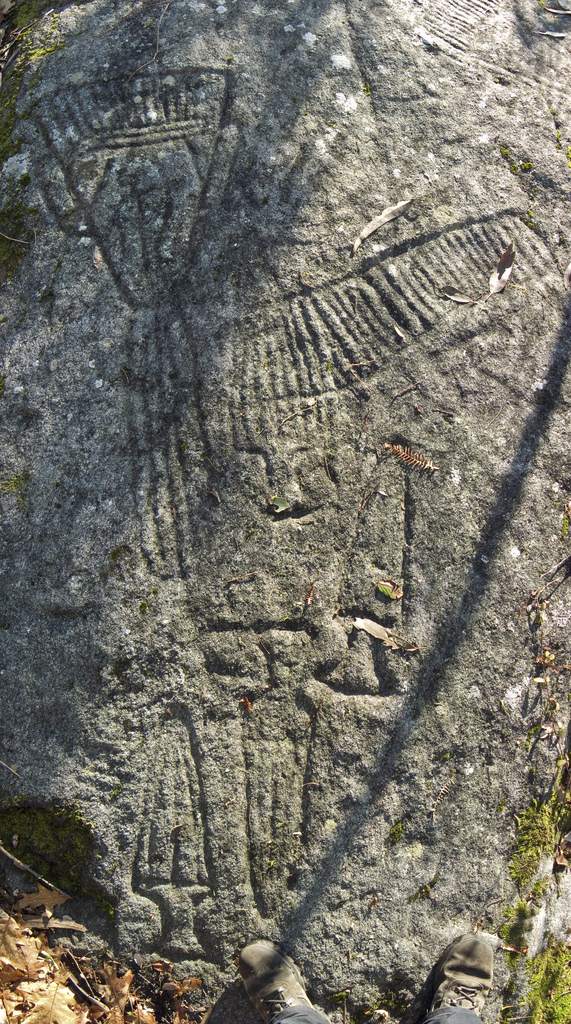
304	1015
451	1015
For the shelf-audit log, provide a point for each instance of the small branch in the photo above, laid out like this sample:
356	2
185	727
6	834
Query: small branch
351	370
262	645
216	470
300	413
4	765
237	579
24	867
411	387
314	715
559	566
156	53
22	241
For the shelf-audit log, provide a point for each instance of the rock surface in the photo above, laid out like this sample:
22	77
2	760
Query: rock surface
188	336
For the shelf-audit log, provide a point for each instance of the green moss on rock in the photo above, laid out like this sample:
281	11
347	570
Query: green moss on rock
536	835
57	842
17	485
549	995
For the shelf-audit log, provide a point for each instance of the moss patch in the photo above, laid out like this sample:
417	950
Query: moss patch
57	842
549	995
537	833
396	832
17	485
514	931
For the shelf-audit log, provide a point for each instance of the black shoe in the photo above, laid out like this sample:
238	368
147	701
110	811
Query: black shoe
271	979
463	975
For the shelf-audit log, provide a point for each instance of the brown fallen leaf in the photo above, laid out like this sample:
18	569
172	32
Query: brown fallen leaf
387	215
164	966
46	922
53	1004
567	275
456	296
48	898
18	952
561	859
390	589
119	986
499	278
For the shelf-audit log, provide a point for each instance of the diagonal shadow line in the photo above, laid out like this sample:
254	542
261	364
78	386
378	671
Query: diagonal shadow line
448	638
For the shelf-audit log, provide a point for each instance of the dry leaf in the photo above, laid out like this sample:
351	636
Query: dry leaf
144	1015
54	1005
46	922
97	257
456	296
164	966
48	898
374	629
119	986
390	589
388	638
18	952
499	278
567	276
389	214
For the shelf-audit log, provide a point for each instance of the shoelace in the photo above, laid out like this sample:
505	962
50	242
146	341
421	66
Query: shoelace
275	1003
465	994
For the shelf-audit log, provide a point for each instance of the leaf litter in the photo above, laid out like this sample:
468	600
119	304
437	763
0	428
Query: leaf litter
390	213
43	985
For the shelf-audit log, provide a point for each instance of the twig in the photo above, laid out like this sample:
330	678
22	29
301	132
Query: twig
207	1015
561	563
306	283
411	387
445	412
313	717
366	497
24	867
156	53
367	362
236	579
4	765
91	999
327	466
262	645
211	463
22	241
351	370
300	413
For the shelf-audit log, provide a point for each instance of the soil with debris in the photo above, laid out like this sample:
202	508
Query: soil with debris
226	437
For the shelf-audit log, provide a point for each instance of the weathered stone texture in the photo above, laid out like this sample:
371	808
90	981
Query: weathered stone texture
228	348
